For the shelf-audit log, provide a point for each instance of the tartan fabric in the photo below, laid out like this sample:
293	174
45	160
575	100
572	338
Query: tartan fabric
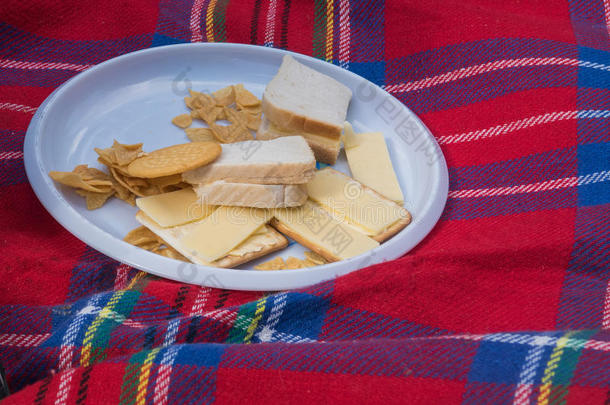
507	300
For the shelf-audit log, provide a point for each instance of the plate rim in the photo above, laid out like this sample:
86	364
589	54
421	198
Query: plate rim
74	222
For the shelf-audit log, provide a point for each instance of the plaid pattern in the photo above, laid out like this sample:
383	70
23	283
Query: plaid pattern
507	301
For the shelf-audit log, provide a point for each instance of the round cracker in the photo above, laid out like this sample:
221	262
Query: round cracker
174	159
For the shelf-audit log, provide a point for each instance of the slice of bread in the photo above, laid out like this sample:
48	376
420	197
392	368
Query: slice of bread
251	195
257	245
286	160
325	150
299	98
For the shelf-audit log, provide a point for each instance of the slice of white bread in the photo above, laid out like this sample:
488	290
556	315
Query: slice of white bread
299	98
324	149
251	195
258	244
287	160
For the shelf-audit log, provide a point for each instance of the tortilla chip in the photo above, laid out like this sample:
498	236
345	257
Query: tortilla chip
166	180
182	121
225	96
107	163
251	109
195	115
243	98
189	102
121	192
75	180
194	93
200	134
274	264
150	190
120	154
91	173
122	180
231	133
314	257
200	100
253	121
237	131
294	263
141	235
95	200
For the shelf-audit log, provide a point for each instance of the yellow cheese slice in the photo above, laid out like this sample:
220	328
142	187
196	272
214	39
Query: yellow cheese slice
223	230
259	240
349	136
174	208
261	230
263	238
318	228
370	164
350	202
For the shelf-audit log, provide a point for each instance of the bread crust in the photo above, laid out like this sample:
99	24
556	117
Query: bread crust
292	122
229	261
268	163
393	229
321	151
273	174
244	176
286	230
252	195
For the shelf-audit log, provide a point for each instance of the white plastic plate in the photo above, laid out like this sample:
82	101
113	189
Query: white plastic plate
132	98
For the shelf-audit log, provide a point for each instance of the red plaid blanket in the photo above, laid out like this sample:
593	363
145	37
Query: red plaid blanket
506	301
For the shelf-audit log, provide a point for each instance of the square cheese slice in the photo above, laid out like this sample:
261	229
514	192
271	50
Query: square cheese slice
369	161
349	201
223	230
315	228
174	208
263	241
